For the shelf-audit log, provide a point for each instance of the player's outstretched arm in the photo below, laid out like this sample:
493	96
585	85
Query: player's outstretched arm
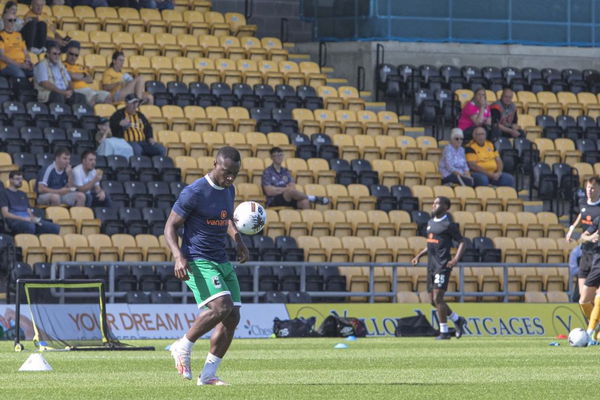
242	250
458	256
174	222
415	260
572	228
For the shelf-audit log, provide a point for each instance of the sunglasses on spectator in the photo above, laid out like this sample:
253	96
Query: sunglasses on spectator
73	54
458	138
55	53
11	20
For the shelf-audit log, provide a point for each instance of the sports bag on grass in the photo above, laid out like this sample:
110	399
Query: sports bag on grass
414	326
334	326
297	327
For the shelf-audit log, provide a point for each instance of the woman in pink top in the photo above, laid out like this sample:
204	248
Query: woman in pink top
475	113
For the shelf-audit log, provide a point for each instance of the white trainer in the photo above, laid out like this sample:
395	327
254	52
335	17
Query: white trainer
182	360
212	381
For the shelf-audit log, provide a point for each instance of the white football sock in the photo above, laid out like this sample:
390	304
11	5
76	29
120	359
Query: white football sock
590	332
454	316
312	199
186	344
443	327
210	367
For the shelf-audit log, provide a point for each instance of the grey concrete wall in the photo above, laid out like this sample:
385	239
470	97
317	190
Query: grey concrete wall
346	56
267	14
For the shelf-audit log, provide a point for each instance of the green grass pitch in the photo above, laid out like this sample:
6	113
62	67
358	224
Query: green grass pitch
371	368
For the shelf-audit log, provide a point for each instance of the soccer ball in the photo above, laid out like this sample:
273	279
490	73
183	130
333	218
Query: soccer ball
249	217
578	337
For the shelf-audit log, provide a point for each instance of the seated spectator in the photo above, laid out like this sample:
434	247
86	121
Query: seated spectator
129	123
11	8
86	179
453	164
485	162
52	80
157	4
37	25
109	145
81	77
14	58
89	3
504	116
279	188
16	212
55	182
120	83
475	113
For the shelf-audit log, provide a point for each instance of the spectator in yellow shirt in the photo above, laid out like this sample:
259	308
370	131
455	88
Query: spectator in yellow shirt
485	162
14	59
37	25
81	77
120	83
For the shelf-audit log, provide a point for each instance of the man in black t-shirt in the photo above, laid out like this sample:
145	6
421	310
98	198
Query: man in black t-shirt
589	210
441	232
16	212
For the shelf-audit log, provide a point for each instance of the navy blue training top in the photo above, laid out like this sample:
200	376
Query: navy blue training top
207	209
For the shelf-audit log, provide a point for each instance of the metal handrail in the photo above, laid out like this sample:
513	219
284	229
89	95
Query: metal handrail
58	273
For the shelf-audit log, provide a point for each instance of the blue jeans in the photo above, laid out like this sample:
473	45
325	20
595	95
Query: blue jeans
159	5
34	229
504	180
148	149
16	72
91	200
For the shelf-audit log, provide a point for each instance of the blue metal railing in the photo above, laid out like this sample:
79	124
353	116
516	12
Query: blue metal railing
57	272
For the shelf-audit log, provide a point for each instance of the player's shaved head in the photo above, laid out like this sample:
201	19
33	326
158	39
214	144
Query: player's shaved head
229	153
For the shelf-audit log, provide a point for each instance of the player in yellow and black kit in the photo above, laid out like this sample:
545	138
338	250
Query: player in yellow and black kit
589	210
441	232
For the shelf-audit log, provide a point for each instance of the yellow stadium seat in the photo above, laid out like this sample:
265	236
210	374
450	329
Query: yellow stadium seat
65	18
196	24
360	222
185	70
55	248
220	119
271	74
253	47
338	226
153	20
238	26
127	246
313	252
175	23
362	198
212	47
133	21
339	197
152	250
317	226
233	47
164	68
392	125
351	97
32	249
79	247
350	125
383	226
229	72
293	76
110	19
386	173
61	216
250	73
322	174
206	68
87	18
313	74
218	26
275	48
330	97
189	45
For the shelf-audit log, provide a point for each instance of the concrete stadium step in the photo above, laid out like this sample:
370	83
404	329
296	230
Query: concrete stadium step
533	206
337	82
375	106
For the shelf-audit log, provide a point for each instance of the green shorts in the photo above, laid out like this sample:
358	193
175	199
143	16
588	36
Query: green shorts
209	280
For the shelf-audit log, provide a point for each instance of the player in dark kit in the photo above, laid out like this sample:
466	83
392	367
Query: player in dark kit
204	209
441	231
589	210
